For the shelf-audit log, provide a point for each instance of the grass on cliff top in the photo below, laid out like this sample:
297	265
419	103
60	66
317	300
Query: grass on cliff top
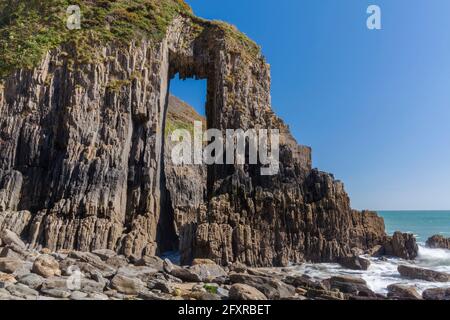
30	28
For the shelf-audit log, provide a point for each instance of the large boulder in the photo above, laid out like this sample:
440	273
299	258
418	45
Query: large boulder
240	291
8	265
127	285
437	294
46	266
438	242
354	262
402	245
272	288
10	238
351	285
208	272
423	274
403	292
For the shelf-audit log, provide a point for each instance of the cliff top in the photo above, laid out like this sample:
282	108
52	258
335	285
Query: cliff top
28	29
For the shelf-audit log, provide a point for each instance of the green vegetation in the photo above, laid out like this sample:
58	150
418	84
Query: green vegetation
30	28
173	124
210	288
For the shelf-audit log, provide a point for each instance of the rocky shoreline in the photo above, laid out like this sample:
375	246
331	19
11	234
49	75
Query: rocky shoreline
27	274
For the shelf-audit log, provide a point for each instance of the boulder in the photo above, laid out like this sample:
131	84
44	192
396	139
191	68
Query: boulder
185	274
10	238
21	290
208	272
403	292
423	274
32	280
151	261
104	254
241	291
402	245
57	293
202	261
127	285
376	251
437	294
9	265
46	266
352	286
6	279
438	242
305	282
354	262
143	273
273	289
117	261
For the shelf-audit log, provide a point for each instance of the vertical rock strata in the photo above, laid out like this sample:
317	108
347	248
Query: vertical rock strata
82	160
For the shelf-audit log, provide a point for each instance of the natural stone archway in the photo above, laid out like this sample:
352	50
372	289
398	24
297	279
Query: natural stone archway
81	158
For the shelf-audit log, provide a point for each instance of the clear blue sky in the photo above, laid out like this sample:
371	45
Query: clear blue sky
373	105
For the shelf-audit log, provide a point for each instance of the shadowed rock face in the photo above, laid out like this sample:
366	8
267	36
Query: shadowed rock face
82	160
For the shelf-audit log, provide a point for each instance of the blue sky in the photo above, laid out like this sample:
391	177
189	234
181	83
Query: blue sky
373	105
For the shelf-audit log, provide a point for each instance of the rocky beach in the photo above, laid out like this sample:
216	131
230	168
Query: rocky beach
105	275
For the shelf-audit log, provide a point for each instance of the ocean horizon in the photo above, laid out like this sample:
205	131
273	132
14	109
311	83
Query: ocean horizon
422	223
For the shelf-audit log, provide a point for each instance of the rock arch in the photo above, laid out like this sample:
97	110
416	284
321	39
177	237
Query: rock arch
81	158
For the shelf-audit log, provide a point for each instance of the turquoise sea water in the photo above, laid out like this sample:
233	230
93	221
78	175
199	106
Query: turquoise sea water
423	224
383	272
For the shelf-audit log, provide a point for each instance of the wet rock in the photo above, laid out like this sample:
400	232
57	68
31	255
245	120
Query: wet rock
9	265
325	294
354	263
403	292
306	282
438	242
423	274
437	294
376	251
127	285
46	266
272	289
351	285
402	245
241	291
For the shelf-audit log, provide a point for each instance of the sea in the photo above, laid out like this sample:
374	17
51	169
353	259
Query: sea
381	273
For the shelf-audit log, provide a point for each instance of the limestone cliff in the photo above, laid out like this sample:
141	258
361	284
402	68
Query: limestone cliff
82	136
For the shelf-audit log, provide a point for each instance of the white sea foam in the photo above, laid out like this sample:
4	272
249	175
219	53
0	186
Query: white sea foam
383	272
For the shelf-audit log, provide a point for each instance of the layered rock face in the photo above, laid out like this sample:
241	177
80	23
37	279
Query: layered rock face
439	242
82	165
